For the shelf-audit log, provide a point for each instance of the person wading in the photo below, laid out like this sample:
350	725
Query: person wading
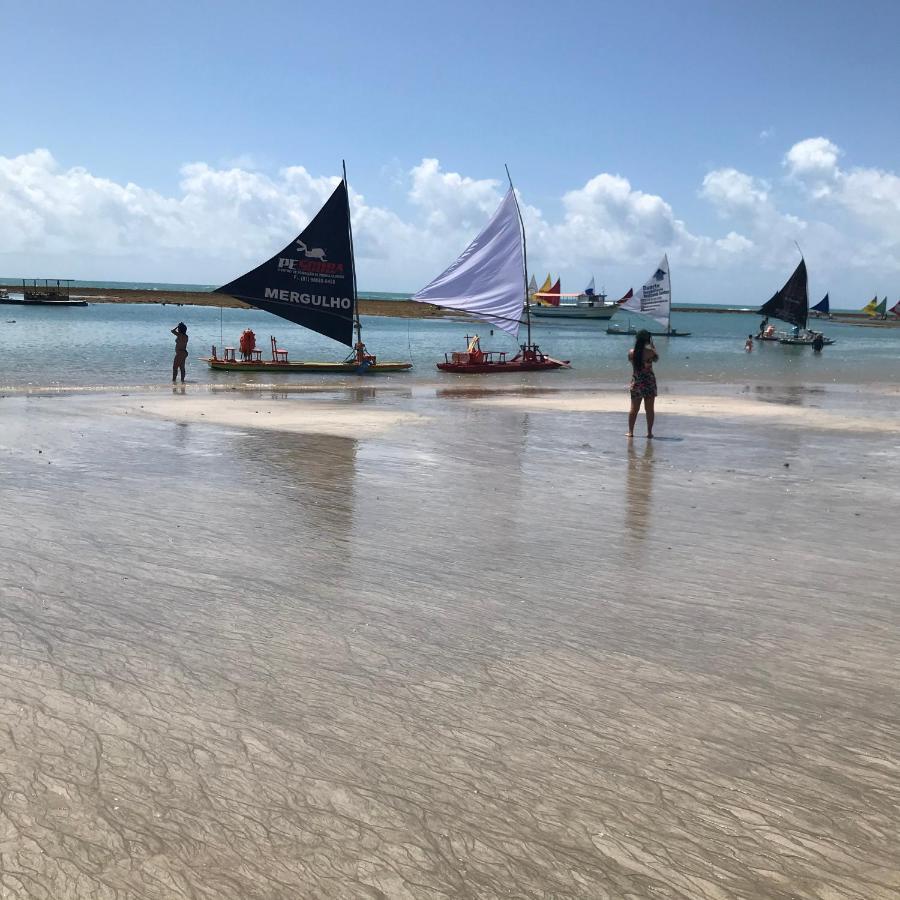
643	381
181	342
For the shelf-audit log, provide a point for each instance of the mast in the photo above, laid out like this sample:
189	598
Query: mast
669	273
356	323
524	256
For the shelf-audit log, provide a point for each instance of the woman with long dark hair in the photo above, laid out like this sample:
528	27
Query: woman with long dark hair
181	342
643	381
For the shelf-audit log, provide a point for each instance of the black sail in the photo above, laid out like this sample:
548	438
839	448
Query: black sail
791	303
310	282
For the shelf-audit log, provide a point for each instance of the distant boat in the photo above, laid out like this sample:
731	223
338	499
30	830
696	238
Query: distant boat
311	282
895	309
489	282
791	305
875	309
53	292
586	305
653	300
821	309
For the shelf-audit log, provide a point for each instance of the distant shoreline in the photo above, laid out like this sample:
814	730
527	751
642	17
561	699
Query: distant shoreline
398	307
390	308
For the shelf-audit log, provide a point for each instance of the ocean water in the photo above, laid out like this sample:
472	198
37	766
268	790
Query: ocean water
108	344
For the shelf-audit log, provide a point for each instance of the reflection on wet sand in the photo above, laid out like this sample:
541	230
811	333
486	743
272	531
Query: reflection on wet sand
244	664
638	487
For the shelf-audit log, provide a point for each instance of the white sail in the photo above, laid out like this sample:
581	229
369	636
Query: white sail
532	285
654	298
589	290
488	279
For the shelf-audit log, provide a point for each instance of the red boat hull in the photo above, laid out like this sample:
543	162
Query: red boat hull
496	368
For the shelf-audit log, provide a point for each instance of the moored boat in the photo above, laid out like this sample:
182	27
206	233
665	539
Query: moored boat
586	305
46	294
791	305
489	282
475	361
311	282
653	300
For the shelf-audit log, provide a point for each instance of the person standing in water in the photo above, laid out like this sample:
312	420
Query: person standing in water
181	342
748	344
643	381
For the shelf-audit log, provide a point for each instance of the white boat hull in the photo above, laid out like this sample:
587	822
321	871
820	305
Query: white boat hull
574	312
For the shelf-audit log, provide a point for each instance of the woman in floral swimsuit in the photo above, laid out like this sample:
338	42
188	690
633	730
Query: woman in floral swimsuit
643	381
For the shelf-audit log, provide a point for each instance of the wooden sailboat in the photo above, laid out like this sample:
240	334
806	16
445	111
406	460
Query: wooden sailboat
791	305
311	282
654	300
822	310
489	282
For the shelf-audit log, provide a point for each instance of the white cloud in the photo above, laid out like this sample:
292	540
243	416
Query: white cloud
222	220
813	157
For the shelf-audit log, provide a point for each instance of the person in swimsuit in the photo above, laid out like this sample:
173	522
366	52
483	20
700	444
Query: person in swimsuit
181	342
643	381
748	344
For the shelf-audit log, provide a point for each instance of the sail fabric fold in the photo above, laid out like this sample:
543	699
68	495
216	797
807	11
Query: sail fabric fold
654	297
822	306
310	281
791	303
488	279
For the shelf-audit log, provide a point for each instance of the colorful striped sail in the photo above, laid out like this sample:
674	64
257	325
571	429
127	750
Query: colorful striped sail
870	308
543	289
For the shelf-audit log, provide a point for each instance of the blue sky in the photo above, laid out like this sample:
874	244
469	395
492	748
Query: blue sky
659	95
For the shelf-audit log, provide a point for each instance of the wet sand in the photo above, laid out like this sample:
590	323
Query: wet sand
478	645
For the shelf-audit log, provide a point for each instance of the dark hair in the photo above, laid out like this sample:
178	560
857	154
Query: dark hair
182	328
637	356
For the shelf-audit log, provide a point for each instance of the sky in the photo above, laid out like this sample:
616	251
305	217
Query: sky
186	142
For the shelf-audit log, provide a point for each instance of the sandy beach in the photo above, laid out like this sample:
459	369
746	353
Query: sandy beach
449	640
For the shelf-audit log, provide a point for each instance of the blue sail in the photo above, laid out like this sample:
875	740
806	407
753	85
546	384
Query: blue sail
822	306
311	281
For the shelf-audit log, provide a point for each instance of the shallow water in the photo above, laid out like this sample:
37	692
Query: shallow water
495	653
130	344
